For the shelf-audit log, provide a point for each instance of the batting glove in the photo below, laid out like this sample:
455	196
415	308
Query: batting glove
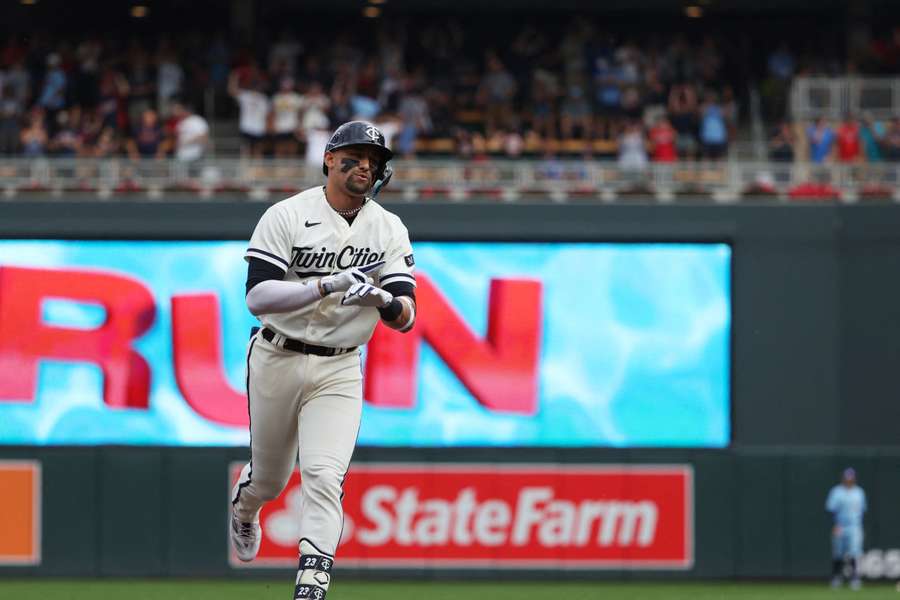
366	294
343	281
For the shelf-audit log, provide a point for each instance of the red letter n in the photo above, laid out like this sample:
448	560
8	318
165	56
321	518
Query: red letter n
25	339
500	371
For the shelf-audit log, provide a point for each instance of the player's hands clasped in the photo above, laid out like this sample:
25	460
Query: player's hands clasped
366	294
343	281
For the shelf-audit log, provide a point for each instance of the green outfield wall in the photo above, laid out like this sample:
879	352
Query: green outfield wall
130	511
815	388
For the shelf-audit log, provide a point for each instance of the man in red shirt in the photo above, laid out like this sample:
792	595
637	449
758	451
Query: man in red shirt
662	137
849	143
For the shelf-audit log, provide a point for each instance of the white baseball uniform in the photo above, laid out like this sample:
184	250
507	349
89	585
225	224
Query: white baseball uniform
306	402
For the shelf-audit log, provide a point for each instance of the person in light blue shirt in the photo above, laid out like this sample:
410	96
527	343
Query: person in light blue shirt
847	504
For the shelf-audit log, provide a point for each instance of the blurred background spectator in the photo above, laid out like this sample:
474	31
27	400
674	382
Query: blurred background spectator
563	85
191	132
849	146
872	134
781	143
147	141
820	137
286	104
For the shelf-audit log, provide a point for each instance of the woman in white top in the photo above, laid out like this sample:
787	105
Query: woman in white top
632	148
286	106
254	113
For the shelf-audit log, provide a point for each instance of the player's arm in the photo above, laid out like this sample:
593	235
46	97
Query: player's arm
400	312
397	312
268	293
395	299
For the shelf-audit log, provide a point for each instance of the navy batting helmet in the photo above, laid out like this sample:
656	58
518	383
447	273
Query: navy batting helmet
359	133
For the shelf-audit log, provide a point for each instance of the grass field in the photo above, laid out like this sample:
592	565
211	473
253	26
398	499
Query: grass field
356	590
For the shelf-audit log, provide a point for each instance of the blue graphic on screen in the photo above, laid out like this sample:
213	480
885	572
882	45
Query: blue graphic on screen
634	351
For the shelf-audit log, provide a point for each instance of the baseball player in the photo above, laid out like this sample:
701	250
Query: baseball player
847	503
324	267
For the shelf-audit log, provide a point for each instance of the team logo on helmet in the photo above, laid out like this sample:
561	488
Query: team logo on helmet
373	133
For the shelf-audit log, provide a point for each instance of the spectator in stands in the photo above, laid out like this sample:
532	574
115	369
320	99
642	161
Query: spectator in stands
147	141
820	137
849	146
85	83
52	97
18	80
284	53
713	130
414	116
191	133
872	135
66	142
730	111
781	143
10	114
390	89
107	144
575	115
781	68
254	112
113	92
655	97
169	79
683	115
217	57
367	80
90	129
341	108
286	105
313	71
496	93
34	137
632	103
781	63
891	144
141	77
662	140
632	148
440	109
607	95
542	109
315	106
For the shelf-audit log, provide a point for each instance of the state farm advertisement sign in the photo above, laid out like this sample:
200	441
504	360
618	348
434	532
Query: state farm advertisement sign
500	516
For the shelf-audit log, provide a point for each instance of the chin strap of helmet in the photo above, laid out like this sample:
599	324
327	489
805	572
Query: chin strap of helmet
380	182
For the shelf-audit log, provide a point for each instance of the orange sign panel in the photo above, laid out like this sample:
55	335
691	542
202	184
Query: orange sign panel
20	504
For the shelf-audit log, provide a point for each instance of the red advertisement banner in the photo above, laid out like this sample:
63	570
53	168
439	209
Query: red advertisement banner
500	516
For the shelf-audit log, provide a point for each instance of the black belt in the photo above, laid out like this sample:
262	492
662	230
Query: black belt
303	347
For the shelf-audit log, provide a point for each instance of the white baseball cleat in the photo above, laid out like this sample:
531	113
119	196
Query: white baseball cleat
245	538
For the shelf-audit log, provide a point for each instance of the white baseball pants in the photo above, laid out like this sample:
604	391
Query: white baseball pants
306	403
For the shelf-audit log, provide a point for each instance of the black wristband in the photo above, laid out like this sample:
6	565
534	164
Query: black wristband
392	310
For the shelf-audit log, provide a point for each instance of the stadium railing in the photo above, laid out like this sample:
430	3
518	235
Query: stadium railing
835	97
456	180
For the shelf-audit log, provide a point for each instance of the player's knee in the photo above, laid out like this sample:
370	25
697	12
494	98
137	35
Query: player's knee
322	480
268	489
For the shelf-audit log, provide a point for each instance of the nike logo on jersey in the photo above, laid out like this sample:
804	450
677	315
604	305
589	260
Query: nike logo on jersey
308	224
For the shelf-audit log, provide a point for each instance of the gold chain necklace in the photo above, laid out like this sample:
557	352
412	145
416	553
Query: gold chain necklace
348	213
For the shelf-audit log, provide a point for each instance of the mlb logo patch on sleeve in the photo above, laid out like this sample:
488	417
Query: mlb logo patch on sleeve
409	260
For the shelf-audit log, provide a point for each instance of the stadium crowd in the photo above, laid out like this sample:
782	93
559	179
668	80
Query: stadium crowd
573	89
